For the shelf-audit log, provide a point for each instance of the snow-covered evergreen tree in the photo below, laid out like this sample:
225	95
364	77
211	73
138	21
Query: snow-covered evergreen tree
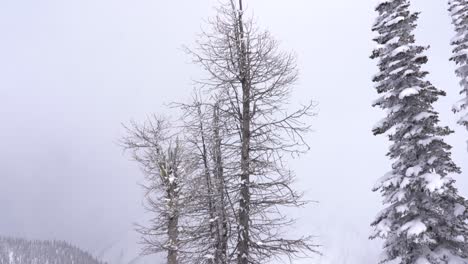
459	11
423	221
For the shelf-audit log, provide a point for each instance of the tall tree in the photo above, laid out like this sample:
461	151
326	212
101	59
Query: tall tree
252	81
423	220
167	167
459	12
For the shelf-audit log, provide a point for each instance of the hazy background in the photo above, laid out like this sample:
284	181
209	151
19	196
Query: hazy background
72	71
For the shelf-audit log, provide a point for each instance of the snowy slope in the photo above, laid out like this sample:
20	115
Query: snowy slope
340	244
20	251
126	250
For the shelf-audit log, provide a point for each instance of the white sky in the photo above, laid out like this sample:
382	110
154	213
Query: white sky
72	71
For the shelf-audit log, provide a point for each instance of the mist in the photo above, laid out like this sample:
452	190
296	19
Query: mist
72	72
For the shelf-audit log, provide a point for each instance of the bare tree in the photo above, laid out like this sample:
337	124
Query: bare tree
217	186
204	133
167	168
186	191
252	82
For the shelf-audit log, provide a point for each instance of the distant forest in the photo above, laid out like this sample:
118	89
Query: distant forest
21	251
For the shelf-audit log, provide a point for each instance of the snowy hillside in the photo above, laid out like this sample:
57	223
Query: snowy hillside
20	251
126	250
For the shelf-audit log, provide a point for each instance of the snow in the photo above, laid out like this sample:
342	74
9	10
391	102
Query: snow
455	10
400	195
459	209
403	208
387	180
431	160
393	40
422	260
459	238
399	50
126	249
379	124
413	171
434	181
394	21
414	131
171	179
444	253
458	106
397	70
383	228
388	21
394	109
405	182
422	116
408	72
427	141
460	54
21	251
457	38
409	92
463	119
414	228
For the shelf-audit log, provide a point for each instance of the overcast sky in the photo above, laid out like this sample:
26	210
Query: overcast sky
71	71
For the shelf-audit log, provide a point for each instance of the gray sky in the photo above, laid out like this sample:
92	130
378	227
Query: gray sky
72	71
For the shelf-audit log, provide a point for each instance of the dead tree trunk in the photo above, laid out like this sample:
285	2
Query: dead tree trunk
208	180
170	174
244	203
221	206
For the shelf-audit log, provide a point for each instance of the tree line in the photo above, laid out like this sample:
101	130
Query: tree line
21	251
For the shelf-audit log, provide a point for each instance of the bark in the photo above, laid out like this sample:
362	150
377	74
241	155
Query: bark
244	203
173	214
173	234
209	184
222	227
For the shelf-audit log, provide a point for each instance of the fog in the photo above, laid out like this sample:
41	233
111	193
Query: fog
71	72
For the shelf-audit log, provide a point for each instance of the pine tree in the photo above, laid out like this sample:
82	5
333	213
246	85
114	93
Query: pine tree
423	221
459	11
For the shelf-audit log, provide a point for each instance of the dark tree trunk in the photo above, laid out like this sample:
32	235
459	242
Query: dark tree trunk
244	203
222	227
